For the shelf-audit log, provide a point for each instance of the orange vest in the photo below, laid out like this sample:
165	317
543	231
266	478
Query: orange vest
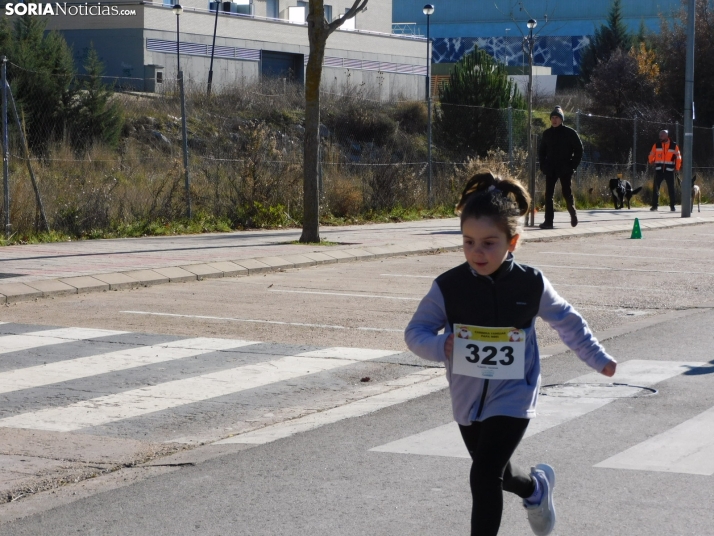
665	156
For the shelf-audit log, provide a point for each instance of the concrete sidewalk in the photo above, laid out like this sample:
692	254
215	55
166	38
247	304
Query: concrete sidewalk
34	271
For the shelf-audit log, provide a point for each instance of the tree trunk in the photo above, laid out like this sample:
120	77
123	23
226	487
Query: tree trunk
318	30
317	34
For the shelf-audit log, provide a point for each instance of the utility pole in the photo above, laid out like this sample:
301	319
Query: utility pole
530	219
428	11
688	114
5	151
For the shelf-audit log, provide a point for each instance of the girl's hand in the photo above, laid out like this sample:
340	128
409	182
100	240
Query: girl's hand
609	369
449	346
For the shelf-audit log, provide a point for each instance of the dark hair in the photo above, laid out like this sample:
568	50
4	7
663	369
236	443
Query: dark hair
502	200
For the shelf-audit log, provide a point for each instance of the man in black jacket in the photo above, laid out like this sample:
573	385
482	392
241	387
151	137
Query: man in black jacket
560	153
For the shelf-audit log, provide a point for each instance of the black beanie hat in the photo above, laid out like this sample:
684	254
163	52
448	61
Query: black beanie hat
559	112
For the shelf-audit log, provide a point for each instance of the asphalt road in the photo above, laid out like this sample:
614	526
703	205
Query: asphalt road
650	300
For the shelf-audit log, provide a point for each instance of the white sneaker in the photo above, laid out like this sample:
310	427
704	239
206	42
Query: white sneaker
542	516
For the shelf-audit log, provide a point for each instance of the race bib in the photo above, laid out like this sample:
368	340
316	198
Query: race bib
489	353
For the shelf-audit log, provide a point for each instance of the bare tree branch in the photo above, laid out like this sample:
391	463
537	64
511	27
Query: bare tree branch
358	6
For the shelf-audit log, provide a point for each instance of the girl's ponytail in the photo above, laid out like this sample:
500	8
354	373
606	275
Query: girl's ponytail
483	180
519	193
503	200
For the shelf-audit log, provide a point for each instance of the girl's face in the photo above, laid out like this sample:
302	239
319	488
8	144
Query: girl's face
486	246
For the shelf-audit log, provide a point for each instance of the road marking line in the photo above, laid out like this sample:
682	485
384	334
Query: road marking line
686	448
606	255
407	275
409	387
610	287
138	402
551	411
37	339
443	440
83	367
608	269
353	354
554	284
344	294
254	321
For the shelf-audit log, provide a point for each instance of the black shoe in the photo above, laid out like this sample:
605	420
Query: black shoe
653	209
546	225
672	209
573	217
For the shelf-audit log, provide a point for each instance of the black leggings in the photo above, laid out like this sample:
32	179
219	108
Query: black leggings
491	443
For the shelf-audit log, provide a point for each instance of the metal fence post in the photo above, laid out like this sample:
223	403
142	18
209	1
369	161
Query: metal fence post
634	150
189	212
577	122
510	137
5	151
577	129
26	148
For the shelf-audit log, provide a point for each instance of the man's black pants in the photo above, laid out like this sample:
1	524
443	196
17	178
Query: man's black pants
668	177
491	443
550	181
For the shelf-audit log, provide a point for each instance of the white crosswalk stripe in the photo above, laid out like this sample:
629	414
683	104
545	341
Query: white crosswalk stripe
155	397
136	402
37	339
412	386
687	448
83	367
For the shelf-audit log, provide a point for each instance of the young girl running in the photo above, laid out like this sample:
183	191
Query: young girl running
493	366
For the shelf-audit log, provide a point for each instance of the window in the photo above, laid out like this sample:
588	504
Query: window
168	2
241	6
297	14
328	13
159	77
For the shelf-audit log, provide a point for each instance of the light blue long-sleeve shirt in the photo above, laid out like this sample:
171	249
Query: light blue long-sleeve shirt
514	398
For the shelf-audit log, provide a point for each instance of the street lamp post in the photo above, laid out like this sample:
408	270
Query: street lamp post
688	115
177	9
532	23
428	10
213	47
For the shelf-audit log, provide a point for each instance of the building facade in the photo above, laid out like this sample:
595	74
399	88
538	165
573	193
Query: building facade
498	27
254	39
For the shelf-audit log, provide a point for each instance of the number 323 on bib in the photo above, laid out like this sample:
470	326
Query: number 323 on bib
490	353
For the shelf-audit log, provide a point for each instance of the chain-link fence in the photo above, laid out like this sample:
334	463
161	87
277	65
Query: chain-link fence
245	153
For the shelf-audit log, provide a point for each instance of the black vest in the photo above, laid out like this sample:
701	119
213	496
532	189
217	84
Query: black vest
509	298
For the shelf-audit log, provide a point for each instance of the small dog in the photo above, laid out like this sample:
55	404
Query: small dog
696	195
622	192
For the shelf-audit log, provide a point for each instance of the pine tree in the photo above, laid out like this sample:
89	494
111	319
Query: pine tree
41	71
95	117
472	102
609	37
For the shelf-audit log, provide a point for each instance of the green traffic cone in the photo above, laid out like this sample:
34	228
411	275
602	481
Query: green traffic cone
636	232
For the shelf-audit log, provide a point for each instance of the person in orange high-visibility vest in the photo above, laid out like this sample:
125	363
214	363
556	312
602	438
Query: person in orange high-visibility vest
666	158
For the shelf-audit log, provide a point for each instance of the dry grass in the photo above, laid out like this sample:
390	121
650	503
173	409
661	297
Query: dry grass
245	166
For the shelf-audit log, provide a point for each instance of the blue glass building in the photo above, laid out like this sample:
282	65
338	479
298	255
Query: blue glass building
498	26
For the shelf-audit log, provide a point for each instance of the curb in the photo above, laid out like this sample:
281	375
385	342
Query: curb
18	292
